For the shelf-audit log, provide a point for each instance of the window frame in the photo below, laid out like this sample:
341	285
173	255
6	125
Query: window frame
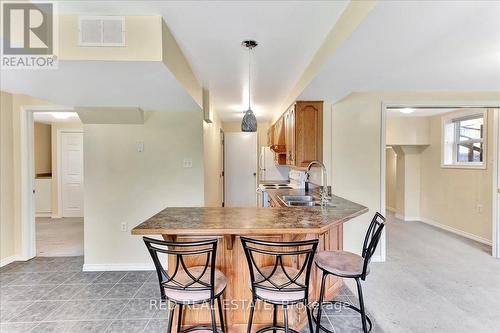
454	119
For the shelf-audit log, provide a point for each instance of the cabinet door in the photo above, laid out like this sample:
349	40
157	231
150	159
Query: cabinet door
271	136
288	138
308	133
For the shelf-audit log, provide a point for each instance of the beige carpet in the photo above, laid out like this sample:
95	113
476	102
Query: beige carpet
59	237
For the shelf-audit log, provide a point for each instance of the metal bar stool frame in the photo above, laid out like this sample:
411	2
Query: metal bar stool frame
209	249
249	246
370	243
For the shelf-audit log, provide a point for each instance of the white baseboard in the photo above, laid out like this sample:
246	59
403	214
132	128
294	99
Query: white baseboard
377	258
455	231
11	259
117	267
407	218
43	214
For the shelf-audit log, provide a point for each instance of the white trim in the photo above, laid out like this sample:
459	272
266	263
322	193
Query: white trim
377	258
382	208
117	267
455	231
26	130
11	259
495	151
43	214
407	218
447	119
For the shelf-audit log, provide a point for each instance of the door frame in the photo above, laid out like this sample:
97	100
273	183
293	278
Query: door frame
493	152
59	166
27	169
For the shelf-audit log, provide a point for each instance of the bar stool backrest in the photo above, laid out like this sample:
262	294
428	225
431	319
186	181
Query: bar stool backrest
372	238
181	277
295	281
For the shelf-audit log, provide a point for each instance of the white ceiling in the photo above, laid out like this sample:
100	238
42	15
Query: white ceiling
417	46
148	85
210	33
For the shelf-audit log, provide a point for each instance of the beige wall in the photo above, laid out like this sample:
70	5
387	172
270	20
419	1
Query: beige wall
11	169
7	225
137	47
407	131
55	129
123	185
212	157
42	148
356	149
390	176
451	196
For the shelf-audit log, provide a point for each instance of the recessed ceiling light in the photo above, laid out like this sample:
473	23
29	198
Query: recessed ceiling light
63	115
407	110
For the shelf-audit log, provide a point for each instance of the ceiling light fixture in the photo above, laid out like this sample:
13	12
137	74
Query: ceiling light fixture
63	115
249	122
407	110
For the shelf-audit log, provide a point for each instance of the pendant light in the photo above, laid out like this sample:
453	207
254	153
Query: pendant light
249	122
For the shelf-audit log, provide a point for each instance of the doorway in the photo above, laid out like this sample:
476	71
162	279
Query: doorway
56	152
240	169
440	168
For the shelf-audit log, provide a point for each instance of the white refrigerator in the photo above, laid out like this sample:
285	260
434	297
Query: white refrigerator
268	169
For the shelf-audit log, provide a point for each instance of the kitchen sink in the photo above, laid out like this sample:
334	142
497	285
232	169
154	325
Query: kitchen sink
300	203
298	198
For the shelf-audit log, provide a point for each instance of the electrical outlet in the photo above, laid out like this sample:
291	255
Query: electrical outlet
479	208
140	146
124	226
187	163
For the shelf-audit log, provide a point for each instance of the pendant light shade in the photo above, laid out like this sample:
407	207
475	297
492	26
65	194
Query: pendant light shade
249	122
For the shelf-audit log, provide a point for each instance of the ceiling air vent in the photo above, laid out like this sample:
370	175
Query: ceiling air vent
102	31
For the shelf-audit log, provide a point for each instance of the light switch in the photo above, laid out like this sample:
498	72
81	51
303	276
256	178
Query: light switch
140	146
187	163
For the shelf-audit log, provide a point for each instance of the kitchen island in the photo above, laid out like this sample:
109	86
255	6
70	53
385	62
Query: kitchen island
272	224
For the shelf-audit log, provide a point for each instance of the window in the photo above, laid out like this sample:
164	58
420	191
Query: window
464	139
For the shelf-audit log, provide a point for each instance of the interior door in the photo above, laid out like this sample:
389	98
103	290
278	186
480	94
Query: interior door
240	169
72	174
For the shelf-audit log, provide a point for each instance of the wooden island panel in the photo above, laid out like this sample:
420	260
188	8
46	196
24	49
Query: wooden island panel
273	224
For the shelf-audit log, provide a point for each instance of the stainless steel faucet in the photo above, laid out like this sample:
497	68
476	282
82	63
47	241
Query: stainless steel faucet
324	189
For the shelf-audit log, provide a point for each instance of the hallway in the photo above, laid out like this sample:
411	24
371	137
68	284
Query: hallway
59	237
433	281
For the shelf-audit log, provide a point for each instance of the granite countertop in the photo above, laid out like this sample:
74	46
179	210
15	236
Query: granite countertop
248	221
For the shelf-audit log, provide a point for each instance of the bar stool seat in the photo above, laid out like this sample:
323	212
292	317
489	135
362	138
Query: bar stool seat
341	263
348	265
191	294
279	277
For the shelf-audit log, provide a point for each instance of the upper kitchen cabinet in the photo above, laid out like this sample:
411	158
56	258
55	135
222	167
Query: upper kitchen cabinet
297	136
277	144
306	131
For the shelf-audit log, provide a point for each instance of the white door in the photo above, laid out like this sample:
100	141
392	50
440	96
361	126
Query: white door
240	169
72	174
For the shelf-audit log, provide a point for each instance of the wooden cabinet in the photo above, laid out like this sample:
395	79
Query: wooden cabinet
297	136
279	142
290	135
308	129
270	136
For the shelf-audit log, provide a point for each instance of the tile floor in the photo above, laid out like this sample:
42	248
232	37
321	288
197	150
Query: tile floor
52	294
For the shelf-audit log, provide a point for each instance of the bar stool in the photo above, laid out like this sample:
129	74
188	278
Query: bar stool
278	284
349	265
189	285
